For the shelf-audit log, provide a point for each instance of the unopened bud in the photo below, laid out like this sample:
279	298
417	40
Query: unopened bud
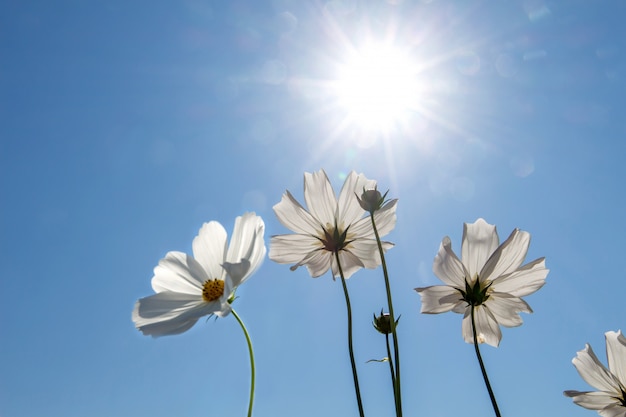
371	200
382	323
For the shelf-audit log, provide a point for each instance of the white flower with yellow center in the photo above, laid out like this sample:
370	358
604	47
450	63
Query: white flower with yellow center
331	226
490	277
188	288
610	399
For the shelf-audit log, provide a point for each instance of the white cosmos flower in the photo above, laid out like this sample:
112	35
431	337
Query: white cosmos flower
610	399
331	225
188	288
489	276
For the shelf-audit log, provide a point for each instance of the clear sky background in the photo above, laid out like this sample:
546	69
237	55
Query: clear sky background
124	125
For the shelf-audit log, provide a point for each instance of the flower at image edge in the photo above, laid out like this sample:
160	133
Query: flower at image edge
610	399
489	276
331	225
188	288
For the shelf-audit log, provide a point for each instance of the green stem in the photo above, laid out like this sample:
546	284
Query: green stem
393	374
396	387
482	366
350	348
252	367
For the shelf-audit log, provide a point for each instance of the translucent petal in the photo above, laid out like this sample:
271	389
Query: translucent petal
350	263
507	257
179	272
616	354
385	219
247	248
447	267
294	217
320	197
439	299
505	308
593	372
348	208
367	252
291	249
168	313
596	400
480	240
487	329
209	248
613	410
317	263
525	280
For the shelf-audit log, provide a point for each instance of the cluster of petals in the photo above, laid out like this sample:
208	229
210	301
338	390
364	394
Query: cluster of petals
179	279
332	226
494	269
610	399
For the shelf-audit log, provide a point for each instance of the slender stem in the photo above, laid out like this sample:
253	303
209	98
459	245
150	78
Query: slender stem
252	367
350	348
393	374
396	387
482	366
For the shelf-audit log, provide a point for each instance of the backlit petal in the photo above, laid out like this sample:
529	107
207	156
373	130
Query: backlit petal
246	249
505	308
480	240
209	248
592	400
320	197
294	217
616	354
487	329
593	372
348	208
508	257
169	313
179	272
613	410
524	281
291	249
439	299
350	263
447	267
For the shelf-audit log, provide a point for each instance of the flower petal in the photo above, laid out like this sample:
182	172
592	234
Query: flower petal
209	248
294	217
179	272
291	249
317	263
593	372
616	354
591	400
447	267
439	299
505	308
385	219
168	313
320	197
487	329
613	410
524	281
367	251
480	240
348	208
350	263
246	249
507	257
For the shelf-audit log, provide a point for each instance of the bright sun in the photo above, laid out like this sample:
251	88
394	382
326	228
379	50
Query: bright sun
377	87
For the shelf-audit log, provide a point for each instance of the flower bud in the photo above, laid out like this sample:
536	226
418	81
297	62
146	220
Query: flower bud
371	200
382	323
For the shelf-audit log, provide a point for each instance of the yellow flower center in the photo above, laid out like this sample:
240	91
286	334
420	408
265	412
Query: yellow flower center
212	289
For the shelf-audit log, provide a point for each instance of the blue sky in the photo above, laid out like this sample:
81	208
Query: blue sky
126	125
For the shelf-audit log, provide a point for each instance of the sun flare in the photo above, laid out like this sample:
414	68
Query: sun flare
376	86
